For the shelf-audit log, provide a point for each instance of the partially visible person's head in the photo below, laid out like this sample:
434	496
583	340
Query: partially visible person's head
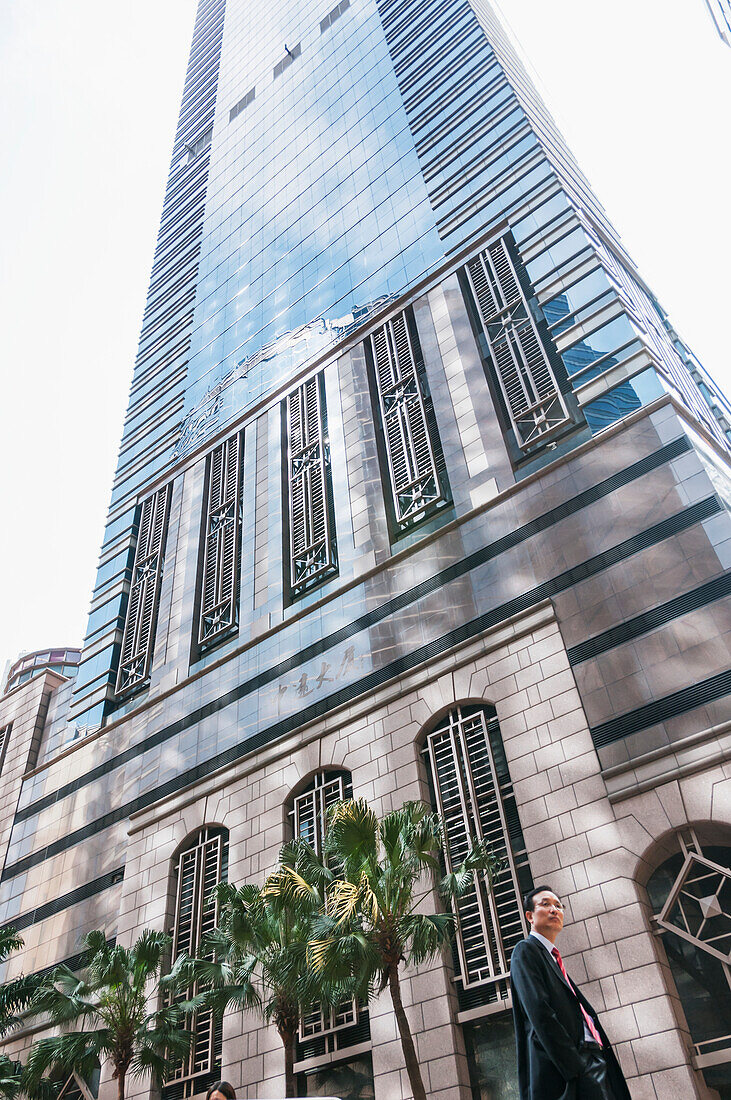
544	911
222	1090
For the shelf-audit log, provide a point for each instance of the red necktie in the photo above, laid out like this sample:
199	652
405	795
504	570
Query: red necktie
587	1018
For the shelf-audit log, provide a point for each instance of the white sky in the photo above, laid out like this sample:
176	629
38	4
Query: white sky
90	94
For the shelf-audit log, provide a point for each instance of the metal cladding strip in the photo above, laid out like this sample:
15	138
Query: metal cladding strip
72	962
33	916
659	710
654	617
430	584
680	522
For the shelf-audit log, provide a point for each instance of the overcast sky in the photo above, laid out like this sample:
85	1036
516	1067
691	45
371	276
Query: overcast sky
90	93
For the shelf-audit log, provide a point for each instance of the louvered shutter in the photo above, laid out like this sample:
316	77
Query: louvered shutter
526	378
475	803
198	869
311	808
144	596
222	543
415	480
309	820
4	738
312	554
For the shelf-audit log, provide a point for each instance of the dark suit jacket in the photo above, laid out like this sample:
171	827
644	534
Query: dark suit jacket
549	1028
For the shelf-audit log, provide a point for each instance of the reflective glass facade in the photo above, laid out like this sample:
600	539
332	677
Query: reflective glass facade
325	163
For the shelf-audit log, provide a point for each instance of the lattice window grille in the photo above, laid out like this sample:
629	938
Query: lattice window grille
312	549
71	1090
144	597
472	800
535	404
4	739
310	808
415	480
222	543
199	867
309	822
698	907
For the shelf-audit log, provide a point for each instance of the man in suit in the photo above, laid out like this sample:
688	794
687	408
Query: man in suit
563	1051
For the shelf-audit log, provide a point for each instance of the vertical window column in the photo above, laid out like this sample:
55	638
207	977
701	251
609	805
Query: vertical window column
4	738
416	473
219	585
312	555
144	597
325	1030
199	867
474	796
527	381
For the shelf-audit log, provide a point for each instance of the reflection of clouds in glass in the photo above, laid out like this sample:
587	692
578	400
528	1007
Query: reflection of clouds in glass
330	225
289	350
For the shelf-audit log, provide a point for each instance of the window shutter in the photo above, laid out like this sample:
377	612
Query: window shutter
311	808
534	402
222	545
309	820
312	551
416	483
144	597
4	738
198	869
475	800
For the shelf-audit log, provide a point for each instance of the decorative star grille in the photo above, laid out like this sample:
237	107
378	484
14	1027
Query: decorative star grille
698	908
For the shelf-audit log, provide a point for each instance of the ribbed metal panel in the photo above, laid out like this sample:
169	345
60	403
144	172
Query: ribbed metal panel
534	403
312	548
144	597
415	480
219	596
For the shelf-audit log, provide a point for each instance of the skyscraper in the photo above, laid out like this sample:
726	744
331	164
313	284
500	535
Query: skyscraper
419	496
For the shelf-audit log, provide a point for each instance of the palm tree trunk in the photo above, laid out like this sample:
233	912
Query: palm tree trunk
120	1086
407	1041
290	1084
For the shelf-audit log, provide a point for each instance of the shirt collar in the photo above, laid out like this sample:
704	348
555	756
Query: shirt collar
544	940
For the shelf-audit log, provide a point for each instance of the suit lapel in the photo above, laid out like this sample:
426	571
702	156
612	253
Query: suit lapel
553	966
555	971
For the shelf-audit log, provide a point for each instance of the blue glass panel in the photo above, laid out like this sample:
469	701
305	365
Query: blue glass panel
609	338
623	399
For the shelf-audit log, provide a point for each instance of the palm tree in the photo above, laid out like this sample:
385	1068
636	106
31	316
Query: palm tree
370	923
258	960
124	1010
15	996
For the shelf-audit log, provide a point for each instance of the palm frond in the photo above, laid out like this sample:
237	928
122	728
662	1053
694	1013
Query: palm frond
76	1050
147	952
480	858
10	942
10	1076
352	835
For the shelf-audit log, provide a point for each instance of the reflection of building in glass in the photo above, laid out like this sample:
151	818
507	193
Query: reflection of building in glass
420	495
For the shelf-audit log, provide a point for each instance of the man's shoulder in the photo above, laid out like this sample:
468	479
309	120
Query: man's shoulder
524	949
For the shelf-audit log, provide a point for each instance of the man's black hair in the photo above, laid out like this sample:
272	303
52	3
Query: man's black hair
529	897
224	1088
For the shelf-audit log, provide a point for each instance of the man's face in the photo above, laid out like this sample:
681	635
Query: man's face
547	915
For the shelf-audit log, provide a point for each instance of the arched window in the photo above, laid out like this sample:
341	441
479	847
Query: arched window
199	865
690	894
322	1033
77	1088
473	793
310	807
